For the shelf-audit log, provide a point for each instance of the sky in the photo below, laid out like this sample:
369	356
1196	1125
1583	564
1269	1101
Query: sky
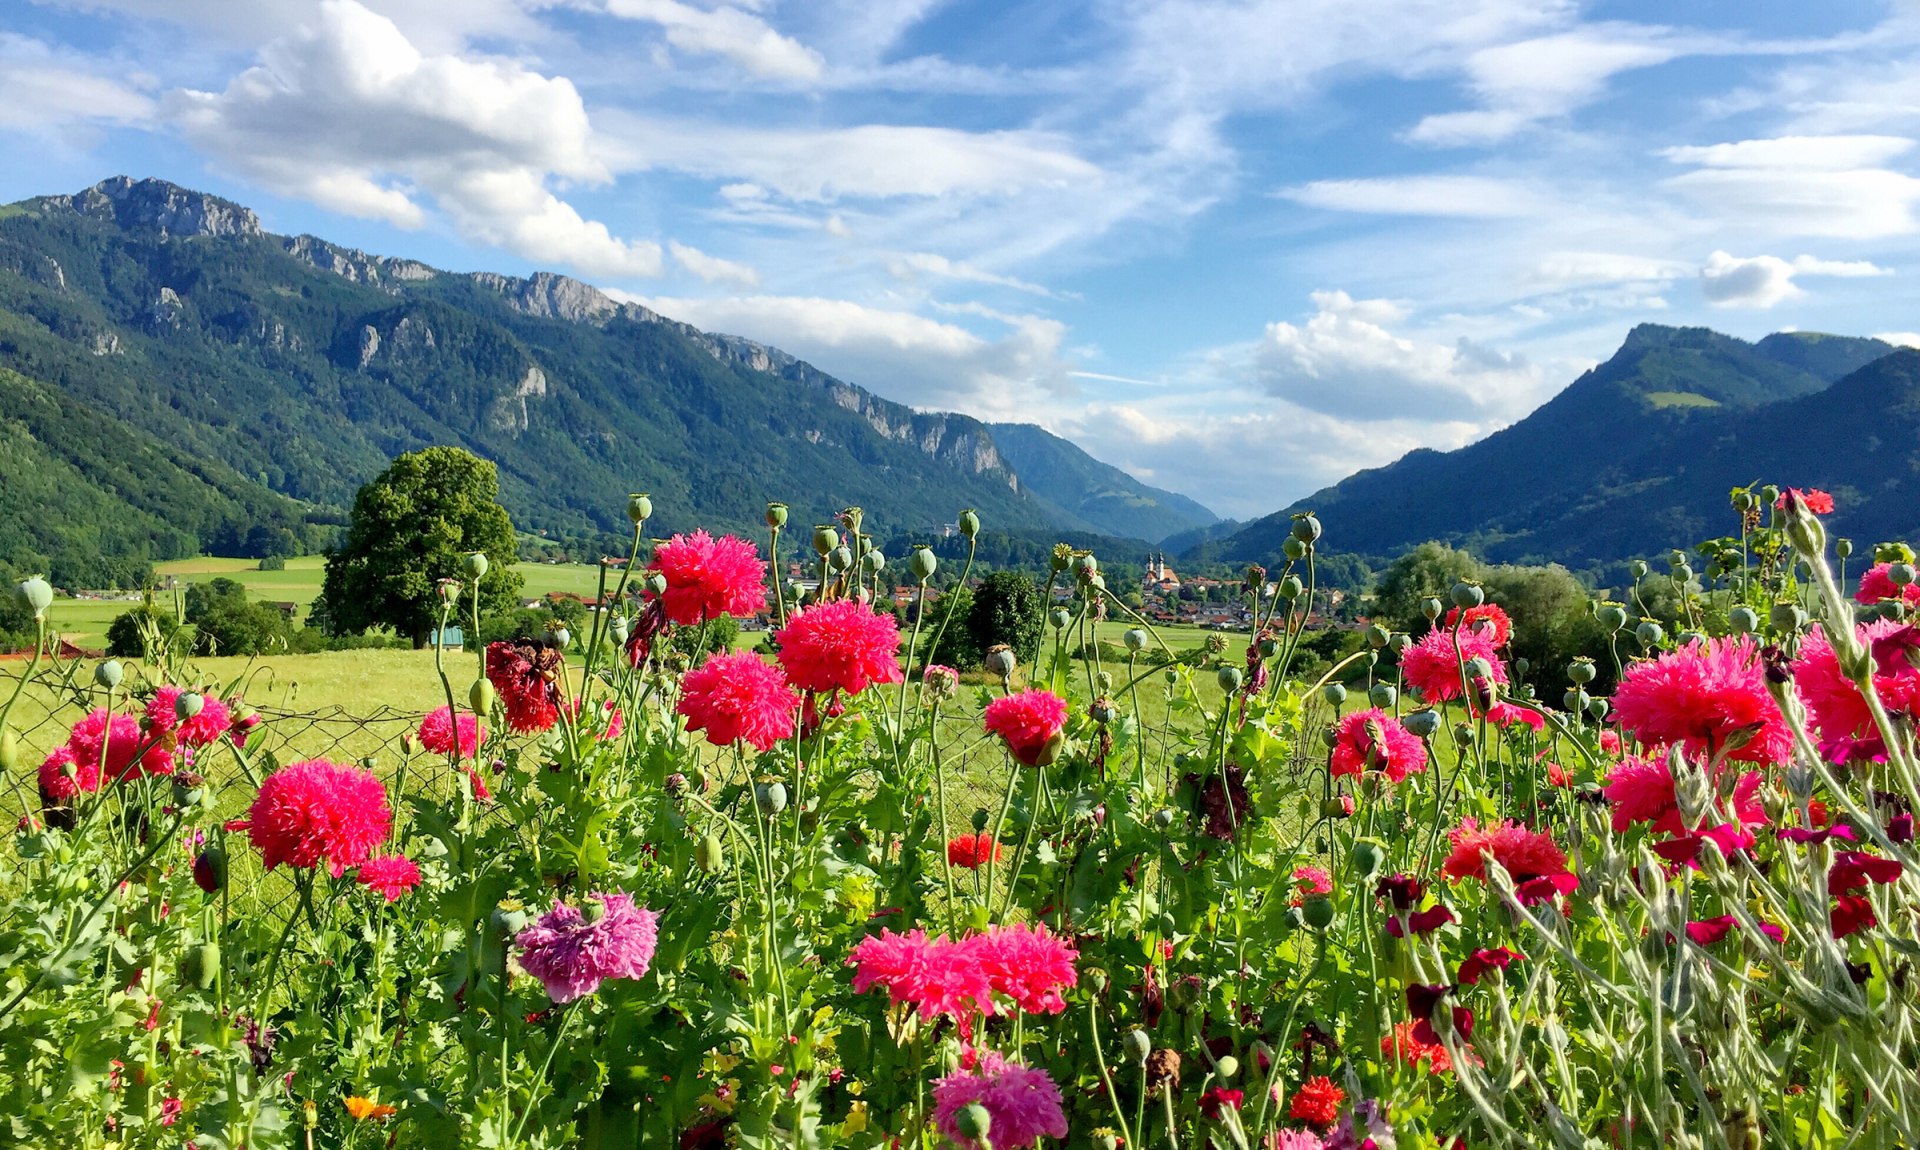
1240	249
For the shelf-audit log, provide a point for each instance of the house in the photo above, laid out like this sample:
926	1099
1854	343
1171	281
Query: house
447	638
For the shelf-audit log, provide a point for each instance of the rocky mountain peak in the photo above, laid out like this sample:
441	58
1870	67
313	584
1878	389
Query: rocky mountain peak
160	206
550	296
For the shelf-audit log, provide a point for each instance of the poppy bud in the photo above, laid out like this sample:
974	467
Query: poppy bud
1367	858
619	628
1293	549
980	819
1306	528
1227	1068
776	515
1383	696
1104	680
1334	694
476	566
200	966
11	760
969	523
1431	608
639	507
709	854
923	563
210	869
481	697
36	594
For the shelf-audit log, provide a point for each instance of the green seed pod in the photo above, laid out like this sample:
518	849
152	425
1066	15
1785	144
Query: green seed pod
639	507
1138	1044
770	798
1367	858
1431	608
36	594
1638	569
1060	617
1293	919
1230	678
1227	1068
1135	639
1683	574
1787	617
1292	588
1769	495
1843	548
200	966
1612	616
969	523
873	562
1330	736
825	538
1383	696
187	704
1269	646
560	637
508	918
1901	574
1576	700
1086	566
1688	638
973	1121
1001	661
1742	502
709	855
481	697
654	583
1462	733
1422	723
1318	912
1163	818
1102	711
1649	633
476	566
776	515
923	563
839	559
1335	694
1521	667
1582	670
1378	637
1743	620
1293	549
1598	709
1468	595
1306	529
109	674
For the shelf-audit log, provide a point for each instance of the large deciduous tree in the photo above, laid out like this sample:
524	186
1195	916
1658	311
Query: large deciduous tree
412	526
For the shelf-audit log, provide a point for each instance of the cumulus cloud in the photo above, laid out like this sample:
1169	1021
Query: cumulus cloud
1804	185
730	32
906	357
1345	361
1762	281
1467	197
348	113
713	269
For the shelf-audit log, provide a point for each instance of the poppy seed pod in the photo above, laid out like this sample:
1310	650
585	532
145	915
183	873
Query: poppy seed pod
1843	548
1576	700
776	515
1138	1044
1742	501
1378	636
1001	661
1306	528
1291	588
923	563
1582	670
1431	608
1467	596
1612	616
1059	617
1230	678
560	637
1743	620
1085	565
1335	694
1102	710
187	704
969	523
1463	733
1683	574
770	798
1367	858
825	538
1770	495
1383	696
476	566
873	562
1135	639
1649	633
1422	723
109	674
1597	708
1522	666
1901	574
1163	818
639	507
839	559
1293	549
1787	617
1318	912
1638	569
36	594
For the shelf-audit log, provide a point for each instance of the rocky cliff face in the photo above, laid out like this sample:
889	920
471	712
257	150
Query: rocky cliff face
550	296
354	265
160	206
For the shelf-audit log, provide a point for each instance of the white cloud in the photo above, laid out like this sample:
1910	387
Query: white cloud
730	32
1804	185
713	269
1345	362
350	114
910	265
1763	281
1526	81
1467	197
905	357
869	161
42	88
433	25
1569	269
1899	338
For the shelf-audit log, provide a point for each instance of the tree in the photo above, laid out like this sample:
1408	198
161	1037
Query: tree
956	647
139	633
1007	609
1429	571
1552	622
413	525
227	622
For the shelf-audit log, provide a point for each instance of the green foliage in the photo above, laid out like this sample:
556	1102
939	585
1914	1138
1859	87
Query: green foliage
142	632
1008	609
1428	571
414	525
1103	497
954	647
227	622
273	563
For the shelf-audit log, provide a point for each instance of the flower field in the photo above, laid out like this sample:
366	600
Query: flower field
609	895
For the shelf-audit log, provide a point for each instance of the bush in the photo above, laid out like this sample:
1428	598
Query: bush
142	632
1007	609
227	622
273	563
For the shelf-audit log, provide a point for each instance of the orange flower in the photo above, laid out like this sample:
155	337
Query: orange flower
364	1108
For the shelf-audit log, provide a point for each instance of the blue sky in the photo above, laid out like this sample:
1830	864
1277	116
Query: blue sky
1241	249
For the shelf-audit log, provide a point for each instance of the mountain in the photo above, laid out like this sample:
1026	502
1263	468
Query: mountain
1634	457
1106	497
174	378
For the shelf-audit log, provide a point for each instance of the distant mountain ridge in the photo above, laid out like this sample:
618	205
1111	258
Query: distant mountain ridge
1636	456
1113	501
277	373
